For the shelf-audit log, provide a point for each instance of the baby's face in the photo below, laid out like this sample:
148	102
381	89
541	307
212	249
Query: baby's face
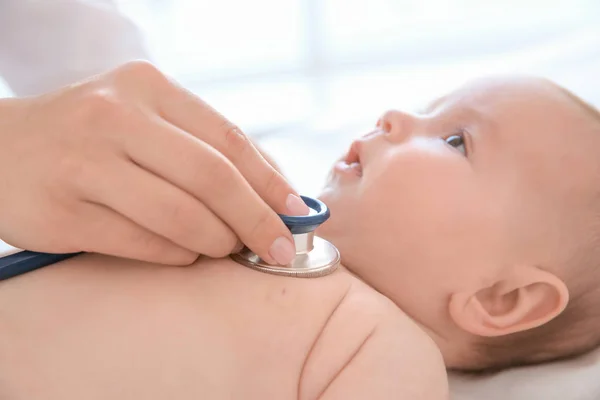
441	201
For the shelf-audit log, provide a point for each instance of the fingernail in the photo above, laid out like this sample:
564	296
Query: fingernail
295	205
282	251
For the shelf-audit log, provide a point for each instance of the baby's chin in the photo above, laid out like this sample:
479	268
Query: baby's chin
332	229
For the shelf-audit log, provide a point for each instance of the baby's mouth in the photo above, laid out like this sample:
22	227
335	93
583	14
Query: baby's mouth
353	168
351	163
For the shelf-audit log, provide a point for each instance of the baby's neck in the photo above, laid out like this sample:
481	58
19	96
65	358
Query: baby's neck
452	350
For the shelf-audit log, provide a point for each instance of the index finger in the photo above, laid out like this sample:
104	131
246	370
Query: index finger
208	175
191	114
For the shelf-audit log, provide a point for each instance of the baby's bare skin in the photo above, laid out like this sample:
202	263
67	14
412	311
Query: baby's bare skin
96	327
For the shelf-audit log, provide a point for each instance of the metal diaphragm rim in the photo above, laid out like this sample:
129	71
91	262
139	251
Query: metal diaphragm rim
322	260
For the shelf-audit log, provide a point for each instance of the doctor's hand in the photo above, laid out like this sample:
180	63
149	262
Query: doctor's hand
131	164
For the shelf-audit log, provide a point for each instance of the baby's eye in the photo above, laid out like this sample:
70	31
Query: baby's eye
458	142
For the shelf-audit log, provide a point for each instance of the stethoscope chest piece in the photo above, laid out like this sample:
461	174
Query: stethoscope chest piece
315	256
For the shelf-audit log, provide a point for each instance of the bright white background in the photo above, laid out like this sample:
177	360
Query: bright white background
305	76
272	63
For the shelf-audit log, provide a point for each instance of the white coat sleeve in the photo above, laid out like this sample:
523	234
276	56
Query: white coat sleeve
46	44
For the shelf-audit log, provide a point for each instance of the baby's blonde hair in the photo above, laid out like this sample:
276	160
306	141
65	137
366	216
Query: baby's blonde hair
577	329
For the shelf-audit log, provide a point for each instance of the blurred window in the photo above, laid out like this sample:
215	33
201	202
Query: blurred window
270	63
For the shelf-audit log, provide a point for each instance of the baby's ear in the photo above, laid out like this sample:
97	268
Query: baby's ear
528	298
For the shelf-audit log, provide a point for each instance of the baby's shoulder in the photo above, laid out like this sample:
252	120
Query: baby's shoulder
370	348
361	305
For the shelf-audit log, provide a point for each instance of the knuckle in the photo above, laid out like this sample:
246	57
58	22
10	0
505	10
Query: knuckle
140	71
184	258
221	244
229	241
262	224
217	252
138	67
236	142
103	99
99	106
106	115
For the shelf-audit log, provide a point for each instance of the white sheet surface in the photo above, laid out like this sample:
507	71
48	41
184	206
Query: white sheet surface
576	379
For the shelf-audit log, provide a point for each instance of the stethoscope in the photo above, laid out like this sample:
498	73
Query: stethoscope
315	257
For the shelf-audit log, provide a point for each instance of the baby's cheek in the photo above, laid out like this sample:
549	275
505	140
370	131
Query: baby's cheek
409	184
418	199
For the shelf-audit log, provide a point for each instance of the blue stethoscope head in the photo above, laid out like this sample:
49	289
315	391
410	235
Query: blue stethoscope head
315	256
307	223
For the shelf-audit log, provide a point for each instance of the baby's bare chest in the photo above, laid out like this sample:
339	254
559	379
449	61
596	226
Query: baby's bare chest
107	328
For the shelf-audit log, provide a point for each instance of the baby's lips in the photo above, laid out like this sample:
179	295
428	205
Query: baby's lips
363	148
357	168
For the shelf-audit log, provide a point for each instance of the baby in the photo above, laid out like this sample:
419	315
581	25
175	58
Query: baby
468	235
479	218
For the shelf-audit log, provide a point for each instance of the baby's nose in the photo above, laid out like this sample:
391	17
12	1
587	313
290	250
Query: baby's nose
397	125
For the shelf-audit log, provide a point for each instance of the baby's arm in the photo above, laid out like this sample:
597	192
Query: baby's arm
369	349
390	366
